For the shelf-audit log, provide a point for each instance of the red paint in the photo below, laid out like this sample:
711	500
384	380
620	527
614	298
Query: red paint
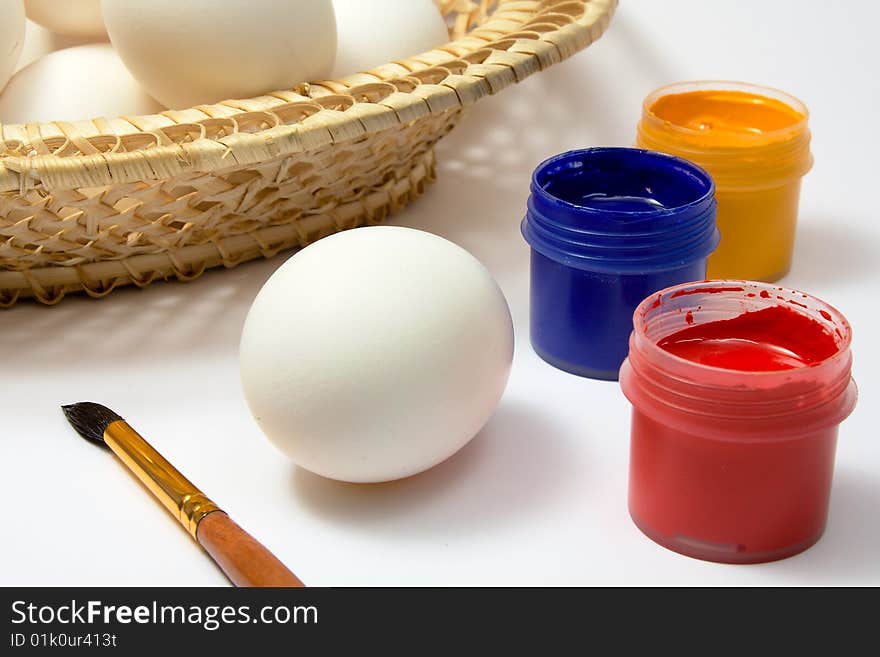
689	317
771	339
704	290
733	462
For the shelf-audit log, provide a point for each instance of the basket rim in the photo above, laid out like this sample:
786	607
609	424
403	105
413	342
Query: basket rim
513	44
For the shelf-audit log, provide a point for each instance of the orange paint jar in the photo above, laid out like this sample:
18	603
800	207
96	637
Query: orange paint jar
755	143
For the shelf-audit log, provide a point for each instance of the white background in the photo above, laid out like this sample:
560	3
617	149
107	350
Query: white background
539	497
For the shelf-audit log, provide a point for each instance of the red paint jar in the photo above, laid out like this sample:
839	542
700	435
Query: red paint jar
733	465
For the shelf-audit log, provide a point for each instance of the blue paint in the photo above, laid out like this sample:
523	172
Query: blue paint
609	227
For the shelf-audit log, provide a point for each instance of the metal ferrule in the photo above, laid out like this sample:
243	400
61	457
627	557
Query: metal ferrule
182	499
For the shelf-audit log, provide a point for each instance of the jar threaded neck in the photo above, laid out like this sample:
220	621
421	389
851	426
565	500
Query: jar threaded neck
675	230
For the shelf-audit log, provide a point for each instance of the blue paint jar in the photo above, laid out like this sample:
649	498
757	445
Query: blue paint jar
609	227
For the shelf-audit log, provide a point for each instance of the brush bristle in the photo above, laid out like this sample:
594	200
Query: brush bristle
90	419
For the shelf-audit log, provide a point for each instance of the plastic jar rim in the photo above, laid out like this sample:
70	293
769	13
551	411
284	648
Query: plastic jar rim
577	234
733	405
538	189
734	377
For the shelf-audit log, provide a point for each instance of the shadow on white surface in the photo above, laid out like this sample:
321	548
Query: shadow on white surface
826	253
485	165
168	321
849	552
640	48
513	469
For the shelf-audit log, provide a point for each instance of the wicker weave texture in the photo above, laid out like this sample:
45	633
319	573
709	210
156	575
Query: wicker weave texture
92	205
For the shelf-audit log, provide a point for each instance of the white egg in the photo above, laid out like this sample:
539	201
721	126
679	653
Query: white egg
376	353
375	32
193	52
74	84
11	37
80	18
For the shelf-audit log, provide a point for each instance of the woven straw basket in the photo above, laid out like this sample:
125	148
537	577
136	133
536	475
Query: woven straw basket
93	205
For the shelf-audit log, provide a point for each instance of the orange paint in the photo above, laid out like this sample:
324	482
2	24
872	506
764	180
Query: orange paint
755	143
725	116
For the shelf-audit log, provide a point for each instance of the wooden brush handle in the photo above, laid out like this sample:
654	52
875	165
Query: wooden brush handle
245	561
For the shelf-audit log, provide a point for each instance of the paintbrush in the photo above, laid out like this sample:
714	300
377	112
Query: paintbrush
244	560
